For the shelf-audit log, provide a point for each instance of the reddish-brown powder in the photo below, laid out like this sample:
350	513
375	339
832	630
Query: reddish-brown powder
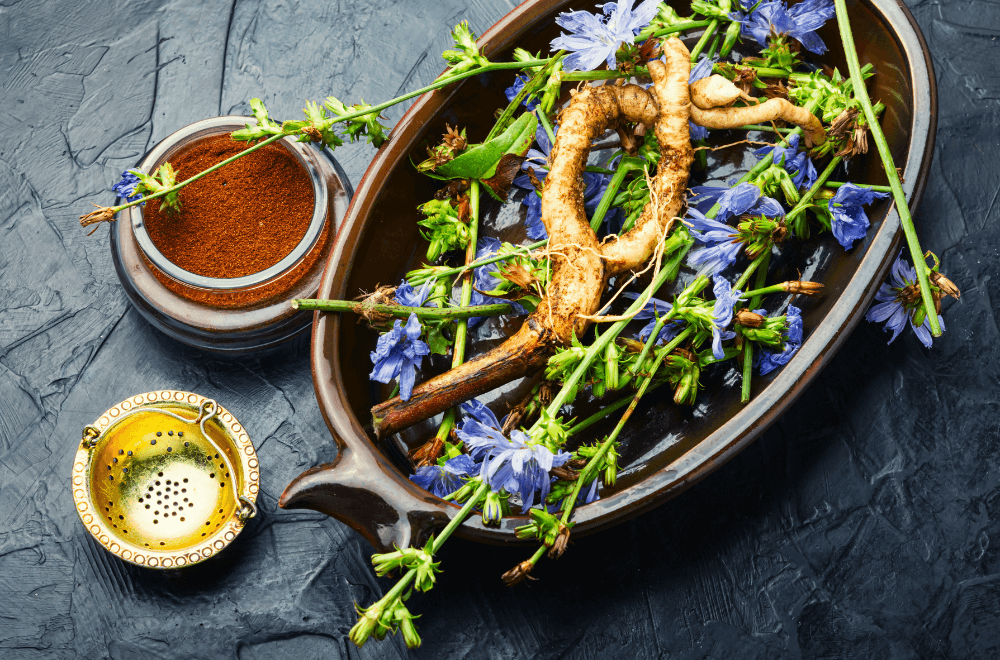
238	220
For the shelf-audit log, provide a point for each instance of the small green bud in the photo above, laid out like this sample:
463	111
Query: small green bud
732	34
404	620
368	620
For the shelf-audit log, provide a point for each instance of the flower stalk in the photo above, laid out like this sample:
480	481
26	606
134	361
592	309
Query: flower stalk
401	311
905	219
106	213
364	627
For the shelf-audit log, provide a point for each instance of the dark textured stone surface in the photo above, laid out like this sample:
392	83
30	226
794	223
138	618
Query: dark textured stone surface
864	525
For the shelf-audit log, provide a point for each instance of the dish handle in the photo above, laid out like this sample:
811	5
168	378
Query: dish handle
361	489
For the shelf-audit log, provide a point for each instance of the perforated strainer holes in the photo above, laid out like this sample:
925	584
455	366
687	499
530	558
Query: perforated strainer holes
112	520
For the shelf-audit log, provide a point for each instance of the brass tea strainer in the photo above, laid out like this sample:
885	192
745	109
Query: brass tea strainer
165	479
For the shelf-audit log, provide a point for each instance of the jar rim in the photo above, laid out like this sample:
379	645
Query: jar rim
304	155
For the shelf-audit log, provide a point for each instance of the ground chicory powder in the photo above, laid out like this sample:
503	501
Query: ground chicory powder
238	220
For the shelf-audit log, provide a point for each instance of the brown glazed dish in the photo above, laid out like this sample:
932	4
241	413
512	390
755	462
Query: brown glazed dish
665	449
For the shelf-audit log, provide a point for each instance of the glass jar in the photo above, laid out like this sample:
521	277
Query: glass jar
240	314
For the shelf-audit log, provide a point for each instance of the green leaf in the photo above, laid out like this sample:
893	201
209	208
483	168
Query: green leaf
436	341
480	161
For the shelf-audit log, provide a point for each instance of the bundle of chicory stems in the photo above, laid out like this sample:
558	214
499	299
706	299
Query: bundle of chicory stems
487	466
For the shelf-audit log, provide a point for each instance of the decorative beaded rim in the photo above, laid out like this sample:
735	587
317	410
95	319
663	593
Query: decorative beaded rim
249	466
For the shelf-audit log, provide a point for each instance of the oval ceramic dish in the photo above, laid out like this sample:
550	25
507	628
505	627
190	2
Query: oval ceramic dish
665	449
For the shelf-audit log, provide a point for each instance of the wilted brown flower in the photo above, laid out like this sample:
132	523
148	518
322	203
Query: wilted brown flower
749	319
101	214
454	140
803	287
559	545
947	287
519	573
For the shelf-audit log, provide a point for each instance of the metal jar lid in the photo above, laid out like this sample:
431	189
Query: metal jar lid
165	479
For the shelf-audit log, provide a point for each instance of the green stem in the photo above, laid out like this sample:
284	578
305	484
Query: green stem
684	334
166	191
437	84
747	346
577	76
806	198
713	25
544	119
761	127
470	255
605	411
905	219
714	46
538	555
837	184
675	29
767	290
459	518
462	329
458	270
432	548
745	277
608	336
747	371
598	456
502	121
401	311
627	165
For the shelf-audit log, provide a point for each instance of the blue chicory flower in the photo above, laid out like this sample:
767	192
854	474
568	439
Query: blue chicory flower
594	39
894	311
734	201
398	354
509	463
703	69
797	163
443	480
725	298
720	246
774	17
848	221
653	309
407	296
720	241
767	359
594	186
515	89
126	187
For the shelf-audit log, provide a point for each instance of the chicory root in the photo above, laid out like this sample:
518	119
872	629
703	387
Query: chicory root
579	272
771	110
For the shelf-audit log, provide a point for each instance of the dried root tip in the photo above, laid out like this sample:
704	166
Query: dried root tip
771	110
102	214
519	573
714	92
383	295
427	453
803	287
947	287
749	319
559	545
